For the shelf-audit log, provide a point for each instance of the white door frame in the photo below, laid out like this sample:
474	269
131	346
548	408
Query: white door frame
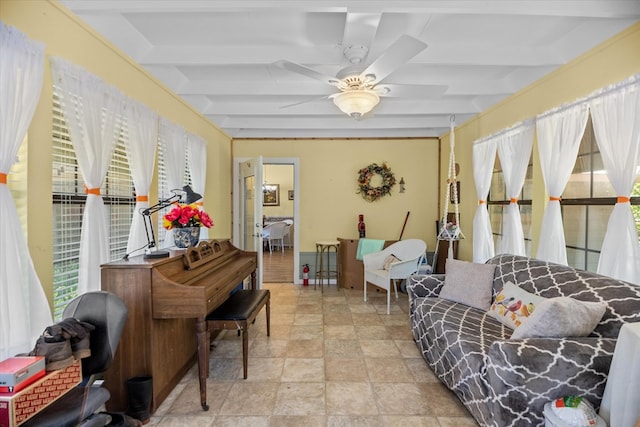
295	162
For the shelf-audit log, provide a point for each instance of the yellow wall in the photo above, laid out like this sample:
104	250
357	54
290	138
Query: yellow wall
609	63
329	205
283	176
66	37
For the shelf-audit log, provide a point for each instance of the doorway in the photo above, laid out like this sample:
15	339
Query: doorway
281	203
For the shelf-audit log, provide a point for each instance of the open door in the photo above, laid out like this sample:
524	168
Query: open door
250	209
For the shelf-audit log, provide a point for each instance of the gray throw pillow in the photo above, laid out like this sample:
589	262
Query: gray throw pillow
468	283
561	317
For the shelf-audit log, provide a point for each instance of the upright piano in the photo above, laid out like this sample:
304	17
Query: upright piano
168	300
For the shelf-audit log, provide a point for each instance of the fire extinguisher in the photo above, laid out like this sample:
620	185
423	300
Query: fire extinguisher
305	275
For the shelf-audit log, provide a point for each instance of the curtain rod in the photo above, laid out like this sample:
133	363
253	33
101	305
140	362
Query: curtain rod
511	128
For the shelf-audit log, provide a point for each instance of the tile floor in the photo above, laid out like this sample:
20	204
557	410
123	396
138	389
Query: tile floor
331	360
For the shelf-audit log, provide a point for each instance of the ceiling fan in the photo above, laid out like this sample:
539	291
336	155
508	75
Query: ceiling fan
360	87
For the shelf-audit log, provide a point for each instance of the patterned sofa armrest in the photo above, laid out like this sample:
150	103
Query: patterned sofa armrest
525	374
423	285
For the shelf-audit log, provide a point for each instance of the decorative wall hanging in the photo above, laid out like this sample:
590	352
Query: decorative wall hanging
367	174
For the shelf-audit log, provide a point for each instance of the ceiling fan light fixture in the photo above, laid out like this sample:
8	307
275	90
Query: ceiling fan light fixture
356	103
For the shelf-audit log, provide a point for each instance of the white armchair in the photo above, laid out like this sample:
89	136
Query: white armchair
409	254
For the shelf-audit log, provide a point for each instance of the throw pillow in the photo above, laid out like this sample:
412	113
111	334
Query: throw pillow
562	317
513	304
390	260
468	283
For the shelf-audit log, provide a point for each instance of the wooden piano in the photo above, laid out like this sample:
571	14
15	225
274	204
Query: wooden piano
168	299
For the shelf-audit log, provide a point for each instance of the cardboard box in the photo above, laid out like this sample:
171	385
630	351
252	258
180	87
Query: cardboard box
16	408
18	372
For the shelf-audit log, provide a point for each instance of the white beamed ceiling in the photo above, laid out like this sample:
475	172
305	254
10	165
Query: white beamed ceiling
219	55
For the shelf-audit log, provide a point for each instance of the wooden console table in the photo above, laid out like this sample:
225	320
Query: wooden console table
352	270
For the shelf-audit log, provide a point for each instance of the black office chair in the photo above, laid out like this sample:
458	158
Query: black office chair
78	407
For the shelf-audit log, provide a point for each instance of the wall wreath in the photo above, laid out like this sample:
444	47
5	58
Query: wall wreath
365	176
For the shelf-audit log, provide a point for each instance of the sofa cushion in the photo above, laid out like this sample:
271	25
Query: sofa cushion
390	260
561	317
513	305
468	283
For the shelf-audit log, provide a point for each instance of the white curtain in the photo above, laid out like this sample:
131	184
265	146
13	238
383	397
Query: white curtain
559	134
90	108
198	170
616	124
174	143
24	310
484	157
141	153
514	150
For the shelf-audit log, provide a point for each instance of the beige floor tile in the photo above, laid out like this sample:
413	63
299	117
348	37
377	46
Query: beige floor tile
401	399
247	398
227	347
297	421
307	319
372	332
457	422
305	348
188	402
345	369
400	332
336	308
282	318
379	348
409	421
340	332
337	318
361	307
240	421
342	348
187	421
267	347
350	398
306	332
225	369
264	369
366	319
313	307
300	399
303	370
335	300
353	421
383	369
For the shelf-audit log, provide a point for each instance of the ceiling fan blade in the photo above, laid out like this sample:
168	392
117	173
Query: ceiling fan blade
306	100
309	72
396	55
410	91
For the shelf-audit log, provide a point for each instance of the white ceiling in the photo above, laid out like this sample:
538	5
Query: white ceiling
219	55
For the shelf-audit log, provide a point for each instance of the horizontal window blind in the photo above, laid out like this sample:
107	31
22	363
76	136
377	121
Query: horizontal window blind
68	207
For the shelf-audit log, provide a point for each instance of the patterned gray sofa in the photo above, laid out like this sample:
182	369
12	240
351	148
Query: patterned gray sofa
505	382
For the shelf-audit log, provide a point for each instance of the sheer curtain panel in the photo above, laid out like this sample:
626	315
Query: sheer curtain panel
174	142
514	150
90	108
616	124
559	134
141	153
484	157
24	310
198	170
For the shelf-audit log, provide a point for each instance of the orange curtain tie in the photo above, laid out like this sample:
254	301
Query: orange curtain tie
622	199
555	199
142	198
94	191
481	202
513	200
3	178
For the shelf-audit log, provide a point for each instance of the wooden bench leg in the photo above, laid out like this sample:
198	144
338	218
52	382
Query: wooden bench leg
245	350
268	310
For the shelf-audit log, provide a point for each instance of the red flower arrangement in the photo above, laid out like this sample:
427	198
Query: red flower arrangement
182	216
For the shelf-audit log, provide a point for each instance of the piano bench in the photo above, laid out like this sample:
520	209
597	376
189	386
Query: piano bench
236	313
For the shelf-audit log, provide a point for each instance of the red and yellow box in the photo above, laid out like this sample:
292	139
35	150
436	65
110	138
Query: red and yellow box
16	408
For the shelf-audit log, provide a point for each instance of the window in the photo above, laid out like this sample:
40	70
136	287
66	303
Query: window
68	207
498	200
587	203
